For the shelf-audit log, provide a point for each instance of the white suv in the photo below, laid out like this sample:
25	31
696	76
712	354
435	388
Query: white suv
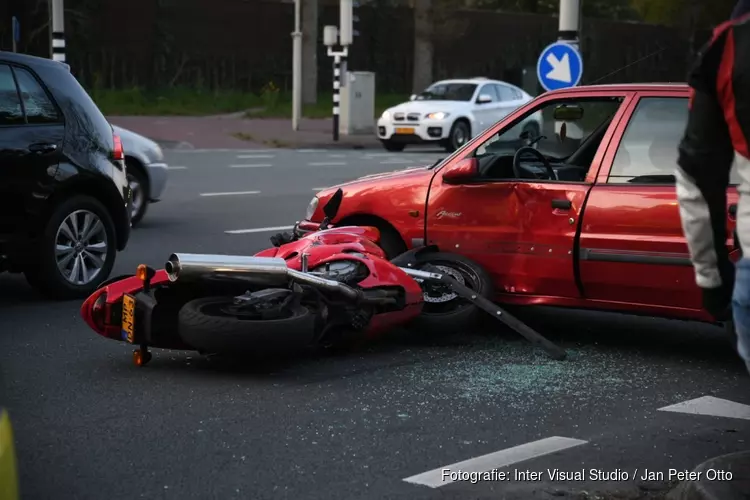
450	112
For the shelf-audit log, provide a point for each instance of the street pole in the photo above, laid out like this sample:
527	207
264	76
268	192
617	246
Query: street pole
58	30
569	24
336	94
297	66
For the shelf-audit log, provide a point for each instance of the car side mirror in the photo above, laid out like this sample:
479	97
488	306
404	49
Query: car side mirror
484	99
412	97
463	171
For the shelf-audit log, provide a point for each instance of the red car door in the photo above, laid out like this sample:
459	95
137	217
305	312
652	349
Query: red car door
521	230
632	248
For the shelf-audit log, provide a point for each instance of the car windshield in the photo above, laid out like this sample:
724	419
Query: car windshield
448	92
555	138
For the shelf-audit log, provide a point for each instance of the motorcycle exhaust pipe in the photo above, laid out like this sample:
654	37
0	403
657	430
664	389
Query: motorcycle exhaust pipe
269	271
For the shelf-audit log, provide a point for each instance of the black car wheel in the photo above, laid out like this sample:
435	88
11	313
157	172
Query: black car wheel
460	134
138	183
76	250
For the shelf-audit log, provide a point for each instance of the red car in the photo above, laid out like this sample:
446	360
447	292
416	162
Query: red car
583	216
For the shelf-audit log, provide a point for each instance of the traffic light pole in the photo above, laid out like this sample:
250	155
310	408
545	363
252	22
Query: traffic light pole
57	22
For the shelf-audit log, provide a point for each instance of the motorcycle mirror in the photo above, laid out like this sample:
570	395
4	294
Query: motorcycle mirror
332	207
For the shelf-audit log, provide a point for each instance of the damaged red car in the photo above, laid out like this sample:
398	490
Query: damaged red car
582	215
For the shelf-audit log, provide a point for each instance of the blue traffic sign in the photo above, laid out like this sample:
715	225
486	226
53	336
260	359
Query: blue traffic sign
559	66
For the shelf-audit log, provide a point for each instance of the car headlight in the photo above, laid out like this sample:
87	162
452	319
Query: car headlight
386	115
311	208
437	116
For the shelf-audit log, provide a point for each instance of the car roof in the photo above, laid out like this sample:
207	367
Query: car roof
475	80
627	87
29	60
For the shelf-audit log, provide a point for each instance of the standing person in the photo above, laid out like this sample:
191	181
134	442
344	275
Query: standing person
716	137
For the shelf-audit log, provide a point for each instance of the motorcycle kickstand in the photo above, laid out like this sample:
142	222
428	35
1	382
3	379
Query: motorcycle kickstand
553	350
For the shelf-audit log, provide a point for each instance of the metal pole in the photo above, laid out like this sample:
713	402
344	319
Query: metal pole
14	22
58	30
336	94
297	66
569	21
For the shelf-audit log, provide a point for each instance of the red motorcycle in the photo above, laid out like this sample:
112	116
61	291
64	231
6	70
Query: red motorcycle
328	288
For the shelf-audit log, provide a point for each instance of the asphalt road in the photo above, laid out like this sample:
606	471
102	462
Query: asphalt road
367	424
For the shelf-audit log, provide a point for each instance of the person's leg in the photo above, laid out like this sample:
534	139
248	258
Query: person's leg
741	309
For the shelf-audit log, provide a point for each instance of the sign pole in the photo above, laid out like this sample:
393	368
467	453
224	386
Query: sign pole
297	67
57	8
16	33
569	22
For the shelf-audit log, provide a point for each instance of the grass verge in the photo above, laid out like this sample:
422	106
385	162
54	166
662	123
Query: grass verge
192	102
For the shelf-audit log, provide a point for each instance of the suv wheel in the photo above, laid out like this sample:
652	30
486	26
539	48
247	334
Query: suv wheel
139	188
459	135
76	251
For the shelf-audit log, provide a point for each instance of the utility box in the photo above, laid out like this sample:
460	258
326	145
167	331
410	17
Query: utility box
357	103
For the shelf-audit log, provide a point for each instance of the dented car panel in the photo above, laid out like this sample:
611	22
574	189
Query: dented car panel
602	231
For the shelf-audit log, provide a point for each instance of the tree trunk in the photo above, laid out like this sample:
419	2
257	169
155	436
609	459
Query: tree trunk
423	48
309	51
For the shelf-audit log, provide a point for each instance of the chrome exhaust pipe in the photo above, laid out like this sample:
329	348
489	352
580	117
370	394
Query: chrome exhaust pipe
270	271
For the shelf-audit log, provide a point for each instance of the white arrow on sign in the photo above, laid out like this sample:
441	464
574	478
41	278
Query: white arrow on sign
560	68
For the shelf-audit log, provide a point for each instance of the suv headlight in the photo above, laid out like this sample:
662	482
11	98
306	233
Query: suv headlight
386	115
311	208
437	116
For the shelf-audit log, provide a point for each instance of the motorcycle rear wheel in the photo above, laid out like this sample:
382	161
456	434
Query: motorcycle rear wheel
203	325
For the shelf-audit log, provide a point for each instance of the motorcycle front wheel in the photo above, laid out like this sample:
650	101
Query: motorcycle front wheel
208	326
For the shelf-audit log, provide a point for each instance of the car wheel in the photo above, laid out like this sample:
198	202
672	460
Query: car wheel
76	250
138	183
532	128
393	146
460	134
444	311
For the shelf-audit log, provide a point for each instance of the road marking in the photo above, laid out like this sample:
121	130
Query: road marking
222	150
312	150
259	230
252	165
496	460
177	168
337	156
327	163
396	162
318	189
247	157
711	406
231	193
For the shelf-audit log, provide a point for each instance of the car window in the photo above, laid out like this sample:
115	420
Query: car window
560	139
648	150
489	90
39	108
11	112
505	93
447	92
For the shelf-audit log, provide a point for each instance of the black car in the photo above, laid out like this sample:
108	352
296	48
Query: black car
64	195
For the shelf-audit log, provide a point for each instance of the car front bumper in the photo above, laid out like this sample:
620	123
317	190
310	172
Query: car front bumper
158	174
409	132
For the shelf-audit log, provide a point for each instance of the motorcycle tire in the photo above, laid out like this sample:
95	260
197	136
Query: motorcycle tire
202	325
456	314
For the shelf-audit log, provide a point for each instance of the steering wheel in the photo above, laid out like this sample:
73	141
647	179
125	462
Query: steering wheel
529	150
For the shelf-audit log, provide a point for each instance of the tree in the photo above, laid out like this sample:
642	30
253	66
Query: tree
423	44
309	51
681	12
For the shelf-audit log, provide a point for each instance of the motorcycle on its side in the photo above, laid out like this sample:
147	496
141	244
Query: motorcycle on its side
329	288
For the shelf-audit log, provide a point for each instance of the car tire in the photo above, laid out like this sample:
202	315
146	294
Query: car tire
459	135
46	275
202	325
139	187
391	242
394	147
455	313
532	128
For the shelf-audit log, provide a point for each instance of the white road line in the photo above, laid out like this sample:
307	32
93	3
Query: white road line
318	189
327	163
396	162
312	150
252	165
337	156
259	230
711	406
231	193
378	155
177	168
496	460
247	157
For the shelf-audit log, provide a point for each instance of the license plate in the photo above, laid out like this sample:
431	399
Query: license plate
128	317
406	130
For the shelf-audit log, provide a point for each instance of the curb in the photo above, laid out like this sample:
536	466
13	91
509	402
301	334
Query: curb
738	488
